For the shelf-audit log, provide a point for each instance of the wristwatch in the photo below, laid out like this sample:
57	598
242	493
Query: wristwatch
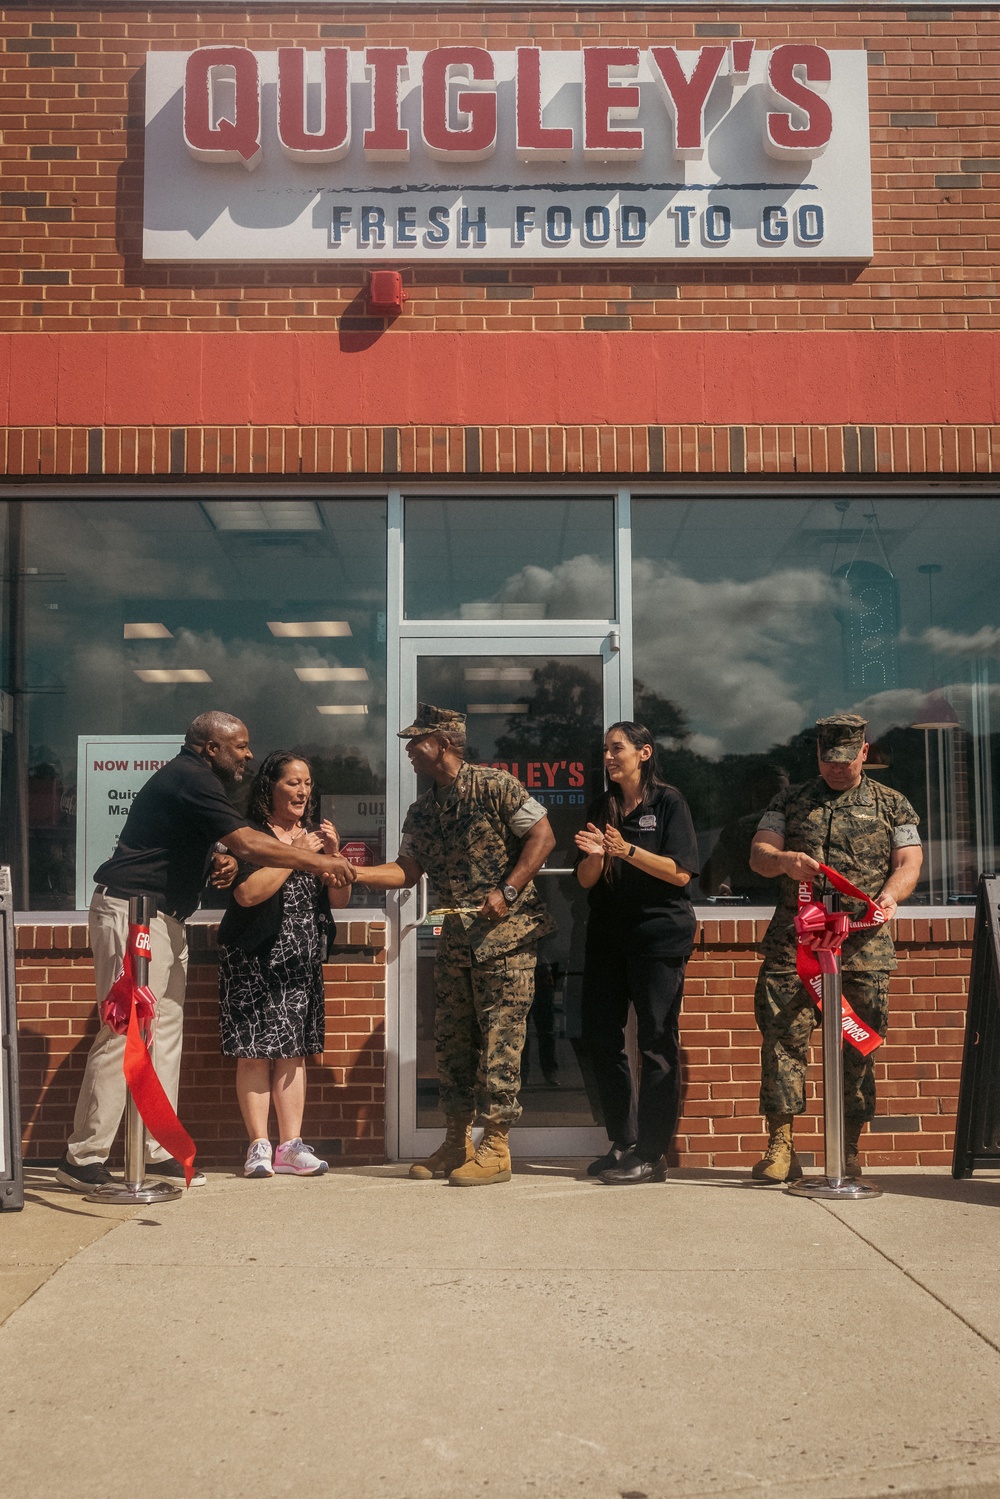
509	893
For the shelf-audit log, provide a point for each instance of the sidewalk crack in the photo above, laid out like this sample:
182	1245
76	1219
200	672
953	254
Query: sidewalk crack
928	1290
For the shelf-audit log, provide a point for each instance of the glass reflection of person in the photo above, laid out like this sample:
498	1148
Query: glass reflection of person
727	870
639	853
272	941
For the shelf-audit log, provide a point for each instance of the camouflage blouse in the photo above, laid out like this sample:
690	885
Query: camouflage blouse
854	832
467	839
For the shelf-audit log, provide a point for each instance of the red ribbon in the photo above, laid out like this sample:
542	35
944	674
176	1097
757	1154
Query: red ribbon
821	935
128	1009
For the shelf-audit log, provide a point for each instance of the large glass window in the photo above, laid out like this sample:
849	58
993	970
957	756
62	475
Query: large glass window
509	559
760	616
126	619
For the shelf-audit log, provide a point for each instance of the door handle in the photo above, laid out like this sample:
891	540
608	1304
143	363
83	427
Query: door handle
423	889
554	871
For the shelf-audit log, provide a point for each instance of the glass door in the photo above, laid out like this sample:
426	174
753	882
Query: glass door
537	707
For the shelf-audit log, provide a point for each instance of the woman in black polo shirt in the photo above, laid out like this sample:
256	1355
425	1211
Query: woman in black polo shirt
638	855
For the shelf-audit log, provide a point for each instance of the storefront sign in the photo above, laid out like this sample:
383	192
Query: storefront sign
110	769
463	153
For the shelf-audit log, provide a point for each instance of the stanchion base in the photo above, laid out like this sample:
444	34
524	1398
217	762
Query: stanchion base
120	1194
845	1187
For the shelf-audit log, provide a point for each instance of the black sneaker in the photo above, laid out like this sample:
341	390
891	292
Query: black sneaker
605	1162
173	1171
82	1178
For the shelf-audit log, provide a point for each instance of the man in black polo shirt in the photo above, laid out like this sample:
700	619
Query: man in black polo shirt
166	851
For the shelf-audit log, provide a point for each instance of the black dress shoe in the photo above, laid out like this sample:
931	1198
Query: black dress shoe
605	1162
632	1168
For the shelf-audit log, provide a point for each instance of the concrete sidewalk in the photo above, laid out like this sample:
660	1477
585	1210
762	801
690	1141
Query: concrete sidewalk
366	1337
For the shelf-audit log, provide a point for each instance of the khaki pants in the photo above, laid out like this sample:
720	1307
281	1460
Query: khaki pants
101	1103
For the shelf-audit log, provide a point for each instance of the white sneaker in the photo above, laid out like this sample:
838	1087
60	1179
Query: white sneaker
258	1161
295	1159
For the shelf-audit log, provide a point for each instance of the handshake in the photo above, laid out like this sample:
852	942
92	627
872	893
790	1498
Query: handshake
337	873
340	873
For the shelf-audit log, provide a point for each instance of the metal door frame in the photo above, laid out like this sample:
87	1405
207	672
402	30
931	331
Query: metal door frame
611	639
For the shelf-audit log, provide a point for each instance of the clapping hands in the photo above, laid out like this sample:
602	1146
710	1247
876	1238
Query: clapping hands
591	841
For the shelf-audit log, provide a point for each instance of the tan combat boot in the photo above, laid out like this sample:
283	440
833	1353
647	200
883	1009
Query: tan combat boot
780	1163
852	1133
454	1150
491	1162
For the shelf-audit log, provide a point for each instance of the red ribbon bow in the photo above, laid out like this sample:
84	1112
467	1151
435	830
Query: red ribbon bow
128	1009
821	935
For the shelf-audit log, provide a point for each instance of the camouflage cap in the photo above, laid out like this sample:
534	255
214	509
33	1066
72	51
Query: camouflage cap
841	736
431	720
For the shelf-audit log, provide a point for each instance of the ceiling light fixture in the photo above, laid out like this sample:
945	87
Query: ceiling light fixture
308	629
497	708
331	674
175	674
147	631
339	709
263	515
498	673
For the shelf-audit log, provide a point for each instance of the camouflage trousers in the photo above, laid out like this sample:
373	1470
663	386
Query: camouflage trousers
786	1018
479	1028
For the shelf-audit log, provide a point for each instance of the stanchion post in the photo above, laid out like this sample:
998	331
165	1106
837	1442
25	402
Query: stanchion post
135	1189
834	1183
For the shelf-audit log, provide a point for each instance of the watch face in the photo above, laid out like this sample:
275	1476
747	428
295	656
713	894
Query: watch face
509	894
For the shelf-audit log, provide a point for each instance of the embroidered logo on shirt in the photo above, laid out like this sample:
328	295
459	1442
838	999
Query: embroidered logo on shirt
647	820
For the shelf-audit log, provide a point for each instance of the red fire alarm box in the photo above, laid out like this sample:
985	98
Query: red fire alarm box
385	292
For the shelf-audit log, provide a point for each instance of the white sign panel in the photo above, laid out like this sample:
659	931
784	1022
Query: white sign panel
110	769
384	154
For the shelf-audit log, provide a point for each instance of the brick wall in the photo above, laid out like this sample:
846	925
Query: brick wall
70	214
345	1107
72	184
918	1068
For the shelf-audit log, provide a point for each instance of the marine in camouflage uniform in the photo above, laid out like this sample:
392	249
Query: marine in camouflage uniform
479	837
467	839
857	832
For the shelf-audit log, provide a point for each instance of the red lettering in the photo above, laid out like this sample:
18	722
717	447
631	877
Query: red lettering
477	138
550	772
576	775
742	51
785	70
533	774
222	105
535	141
386	140
333	138
688	95
605	100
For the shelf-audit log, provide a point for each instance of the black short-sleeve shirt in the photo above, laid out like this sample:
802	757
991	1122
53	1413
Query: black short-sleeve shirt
651	918
172	825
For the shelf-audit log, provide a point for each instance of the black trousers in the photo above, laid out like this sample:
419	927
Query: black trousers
612	979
